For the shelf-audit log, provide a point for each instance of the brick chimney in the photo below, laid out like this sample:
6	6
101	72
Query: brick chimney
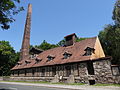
70	39
24	52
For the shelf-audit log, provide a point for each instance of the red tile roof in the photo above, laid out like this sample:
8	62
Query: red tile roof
77	51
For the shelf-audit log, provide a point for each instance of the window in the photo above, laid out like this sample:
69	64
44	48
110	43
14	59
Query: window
50	57
116	70
37	60
33	72
42	72
67	55
89	51
19	63
33	56
68	70
25	72
12	72
27	61
53	71
18	73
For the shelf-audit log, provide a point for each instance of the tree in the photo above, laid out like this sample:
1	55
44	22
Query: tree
8	8
80	39
110	36
45	45
110	40
61	43
8	58
116	13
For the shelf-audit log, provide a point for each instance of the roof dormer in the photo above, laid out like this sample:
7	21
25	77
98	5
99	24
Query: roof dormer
19	63
89	51
67	54
27	61
38	60
50	57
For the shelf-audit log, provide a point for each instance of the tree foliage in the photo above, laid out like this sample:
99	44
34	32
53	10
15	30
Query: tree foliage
61	43
110	40
8	8
8	58
110	36
45	45
116	13
80	39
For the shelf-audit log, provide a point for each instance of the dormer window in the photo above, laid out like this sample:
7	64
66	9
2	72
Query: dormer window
19	63
38	60
89	51
50	57
33	56
34	52
27	61
67	55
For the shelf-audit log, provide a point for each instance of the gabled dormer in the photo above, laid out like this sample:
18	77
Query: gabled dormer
27	61
50	57
67	55
19	63
34	52
89	51
37	60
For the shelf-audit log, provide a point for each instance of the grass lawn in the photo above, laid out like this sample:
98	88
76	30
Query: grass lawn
118	85
45	82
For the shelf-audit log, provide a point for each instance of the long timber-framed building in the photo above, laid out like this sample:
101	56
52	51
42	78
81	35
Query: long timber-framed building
79	62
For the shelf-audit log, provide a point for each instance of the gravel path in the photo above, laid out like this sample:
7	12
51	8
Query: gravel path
77	87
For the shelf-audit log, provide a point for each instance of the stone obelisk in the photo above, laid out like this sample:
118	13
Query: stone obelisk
24	52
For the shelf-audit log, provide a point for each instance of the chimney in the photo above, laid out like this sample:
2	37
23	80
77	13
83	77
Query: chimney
24	52
70	39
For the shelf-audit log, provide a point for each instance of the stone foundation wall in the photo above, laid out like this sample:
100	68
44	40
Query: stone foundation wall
103	72
77	69
48	79
83	73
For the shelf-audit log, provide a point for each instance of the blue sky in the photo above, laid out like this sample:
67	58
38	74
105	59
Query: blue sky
54	19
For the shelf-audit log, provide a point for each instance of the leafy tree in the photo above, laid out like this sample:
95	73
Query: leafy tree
80	39
116	13
8	8
61	43
110	40
45	45
8	58
110	36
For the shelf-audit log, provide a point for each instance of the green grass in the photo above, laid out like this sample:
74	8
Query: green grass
61	83
107	85
69	83
45	82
